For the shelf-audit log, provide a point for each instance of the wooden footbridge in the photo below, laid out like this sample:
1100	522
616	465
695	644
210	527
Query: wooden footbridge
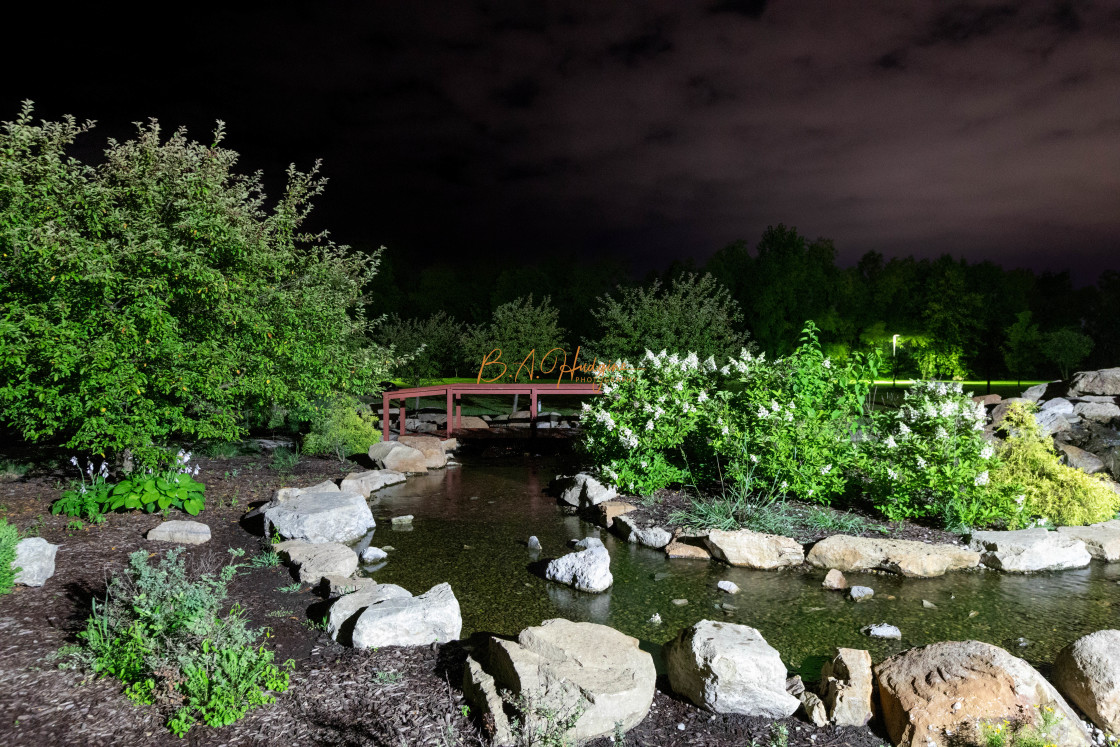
454	393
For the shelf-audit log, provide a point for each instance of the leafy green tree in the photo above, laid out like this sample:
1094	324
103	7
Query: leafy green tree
1066	348
152	296
433	344
1022	349
694	314
517	330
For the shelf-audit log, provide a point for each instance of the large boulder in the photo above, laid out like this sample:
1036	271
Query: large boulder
286	494
320	517
586	570
1087	671
1101	540
907	557
754	549
585	490
181	532
317	560
1081	459
344	612
1025	550
564	666
398	457
430	446
846	687
1045	391
1098	412
633	531
480	689
935	696
35	560
370	481
1059	405
432	617
729	668
1104	382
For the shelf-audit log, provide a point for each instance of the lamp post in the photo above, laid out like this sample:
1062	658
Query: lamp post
894	361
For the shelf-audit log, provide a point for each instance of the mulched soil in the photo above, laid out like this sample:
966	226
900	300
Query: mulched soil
338	696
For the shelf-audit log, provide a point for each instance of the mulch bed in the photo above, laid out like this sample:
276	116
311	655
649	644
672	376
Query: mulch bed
338	696
659	508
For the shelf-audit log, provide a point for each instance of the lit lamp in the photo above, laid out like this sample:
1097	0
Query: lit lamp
894	361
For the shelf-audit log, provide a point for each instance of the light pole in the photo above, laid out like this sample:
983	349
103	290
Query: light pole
894	361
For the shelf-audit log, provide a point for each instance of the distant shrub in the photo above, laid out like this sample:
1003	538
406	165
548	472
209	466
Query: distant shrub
695	313
340	427
1045	488
9	538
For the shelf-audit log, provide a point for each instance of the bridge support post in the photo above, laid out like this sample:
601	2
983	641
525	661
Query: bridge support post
384	416
449	427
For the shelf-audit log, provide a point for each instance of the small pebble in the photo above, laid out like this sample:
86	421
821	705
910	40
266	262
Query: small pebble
974	613
680	727
680	602
656	619
928	604
729	586
534	544
399	520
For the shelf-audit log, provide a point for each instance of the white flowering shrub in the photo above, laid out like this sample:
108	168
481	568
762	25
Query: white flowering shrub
641	430
789	422
931	459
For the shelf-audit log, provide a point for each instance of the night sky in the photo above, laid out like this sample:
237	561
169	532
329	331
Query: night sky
644	130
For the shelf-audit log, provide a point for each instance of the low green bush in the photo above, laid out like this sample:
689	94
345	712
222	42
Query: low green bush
160	630
1044	488
9	538
173	487
930	459
340	427
790	421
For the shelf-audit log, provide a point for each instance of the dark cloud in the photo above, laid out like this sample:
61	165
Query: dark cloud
649	130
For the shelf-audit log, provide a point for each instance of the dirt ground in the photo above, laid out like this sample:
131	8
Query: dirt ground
338	696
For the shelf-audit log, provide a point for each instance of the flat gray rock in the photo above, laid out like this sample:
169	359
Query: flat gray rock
1101	540
432	617
318	560
1026	550
630	530
321	517
373	554
181	532
35	559
882	630
370	481
344	612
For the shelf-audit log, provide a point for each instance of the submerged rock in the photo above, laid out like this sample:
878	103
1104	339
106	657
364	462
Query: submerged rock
882	630
373	554
937	694
860	593
729	668
835	581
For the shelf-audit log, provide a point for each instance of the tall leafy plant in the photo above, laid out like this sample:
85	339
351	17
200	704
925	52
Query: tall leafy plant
154	296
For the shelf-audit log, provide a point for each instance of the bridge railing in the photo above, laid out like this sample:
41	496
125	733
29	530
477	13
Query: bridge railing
454	393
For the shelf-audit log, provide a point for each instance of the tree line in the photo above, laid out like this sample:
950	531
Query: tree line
932	318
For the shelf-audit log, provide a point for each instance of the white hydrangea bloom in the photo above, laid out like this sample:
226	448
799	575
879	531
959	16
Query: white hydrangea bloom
827	363
649	425
890	442
702	396
826	469
982	478
987	452
921	463
903	429
763	412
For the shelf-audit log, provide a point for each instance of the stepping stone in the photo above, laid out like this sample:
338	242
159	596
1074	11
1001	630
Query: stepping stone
316	560
321	517
181	532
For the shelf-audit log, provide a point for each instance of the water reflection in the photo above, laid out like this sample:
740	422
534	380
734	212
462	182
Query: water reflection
471	526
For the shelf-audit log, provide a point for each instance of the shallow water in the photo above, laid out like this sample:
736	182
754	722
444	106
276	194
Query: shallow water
472	522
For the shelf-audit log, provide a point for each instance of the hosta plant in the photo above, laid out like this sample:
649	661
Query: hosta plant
159	491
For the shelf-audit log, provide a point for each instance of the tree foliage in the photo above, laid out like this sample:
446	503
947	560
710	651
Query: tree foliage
695	314
433	345
516	330
1066	348
154	296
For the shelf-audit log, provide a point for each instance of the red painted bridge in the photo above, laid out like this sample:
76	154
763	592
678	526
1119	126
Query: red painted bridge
454	392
